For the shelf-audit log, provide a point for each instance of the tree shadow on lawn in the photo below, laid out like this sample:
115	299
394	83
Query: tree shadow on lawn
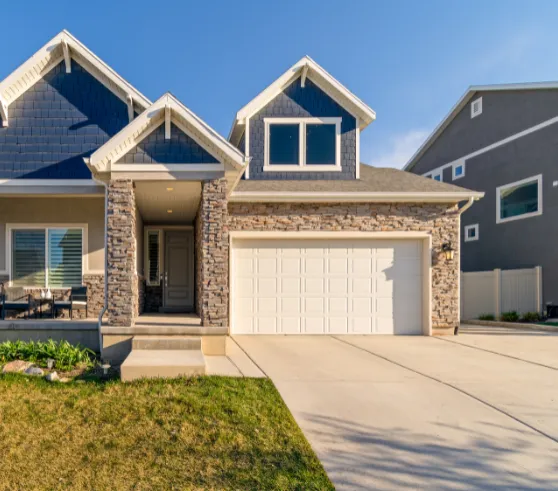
358	456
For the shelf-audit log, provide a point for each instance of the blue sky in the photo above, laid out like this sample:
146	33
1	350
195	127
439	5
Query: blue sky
409	60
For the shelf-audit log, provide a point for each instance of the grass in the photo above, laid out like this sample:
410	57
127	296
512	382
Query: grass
199	433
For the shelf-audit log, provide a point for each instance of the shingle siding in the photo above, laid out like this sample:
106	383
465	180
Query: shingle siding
58	121
309	101
179	149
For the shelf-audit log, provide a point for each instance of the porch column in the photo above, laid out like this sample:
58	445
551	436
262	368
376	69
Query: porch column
121	244
212	255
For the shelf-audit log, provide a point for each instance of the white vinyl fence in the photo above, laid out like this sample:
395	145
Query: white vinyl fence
494	292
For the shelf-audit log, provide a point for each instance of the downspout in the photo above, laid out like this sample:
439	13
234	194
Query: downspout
105	306
467	205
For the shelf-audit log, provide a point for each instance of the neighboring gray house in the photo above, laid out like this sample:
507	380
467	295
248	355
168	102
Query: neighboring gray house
502	140
278	230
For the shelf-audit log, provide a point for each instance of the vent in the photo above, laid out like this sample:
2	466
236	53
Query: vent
476	107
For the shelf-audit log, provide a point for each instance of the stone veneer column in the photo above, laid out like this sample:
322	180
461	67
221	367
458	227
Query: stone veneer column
212	255
121	244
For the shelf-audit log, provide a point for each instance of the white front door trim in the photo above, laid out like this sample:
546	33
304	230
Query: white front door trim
235	236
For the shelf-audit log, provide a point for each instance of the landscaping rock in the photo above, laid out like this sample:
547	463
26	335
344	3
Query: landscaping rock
16	366
35	371
52	377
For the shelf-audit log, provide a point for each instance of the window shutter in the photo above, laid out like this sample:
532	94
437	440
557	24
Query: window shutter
153	257
28	258
64	257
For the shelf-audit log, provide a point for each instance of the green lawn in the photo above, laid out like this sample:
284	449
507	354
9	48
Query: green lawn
201	433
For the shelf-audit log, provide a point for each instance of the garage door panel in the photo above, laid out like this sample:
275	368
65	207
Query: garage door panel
338	325
338	306
291	325
314	325
314	266
318	287
314	286
338	286
291	286
291	266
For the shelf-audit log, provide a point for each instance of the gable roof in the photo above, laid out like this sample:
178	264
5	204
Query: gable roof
375	185
462	102
165	108
305	67
64	47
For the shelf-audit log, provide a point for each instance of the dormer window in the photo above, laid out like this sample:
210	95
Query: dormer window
302	144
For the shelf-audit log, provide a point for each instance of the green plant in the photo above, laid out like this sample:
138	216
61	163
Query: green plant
487	317
511	316
65	355
531	317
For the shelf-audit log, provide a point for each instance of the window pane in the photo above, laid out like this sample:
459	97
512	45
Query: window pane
28	258
153	257
437	177
283	144
64	257
519	200
320	144
458	170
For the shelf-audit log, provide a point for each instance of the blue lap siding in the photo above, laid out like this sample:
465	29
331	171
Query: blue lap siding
179	149
58	121
296	101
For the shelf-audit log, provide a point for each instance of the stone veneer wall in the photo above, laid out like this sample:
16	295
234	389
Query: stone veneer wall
95	299
439	220
212	255
123	285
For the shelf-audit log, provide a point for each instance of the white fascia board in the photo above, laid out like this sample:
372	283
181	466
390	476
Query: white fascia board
3	112
439	128
32	70
142	126
48	182
274	197
465	98
365	113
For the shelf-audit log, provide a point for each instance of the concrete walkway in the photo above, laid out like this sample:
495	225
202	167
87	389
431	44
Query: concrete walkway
415	412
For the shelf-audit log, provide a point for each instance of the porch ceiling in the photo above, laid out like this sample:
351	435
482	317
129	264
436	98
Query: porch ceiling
154	199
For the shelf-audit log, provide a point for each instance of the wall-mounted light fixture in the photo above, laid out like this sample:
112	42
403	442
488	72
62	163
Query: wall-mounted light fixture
448	250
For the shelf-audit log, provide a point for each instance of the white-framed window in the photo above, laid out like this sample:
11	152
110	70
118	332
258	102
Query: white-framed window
476	107
153	257
520	199
438	175
302	144
46	256
471	232
458	170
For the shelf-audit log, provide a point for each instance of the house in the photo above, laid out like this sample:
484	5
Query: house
278	230
501	140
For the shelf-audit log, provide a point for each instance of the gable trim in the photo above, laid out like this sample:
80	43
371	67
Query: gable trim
308	69
462	102
63	47
153	117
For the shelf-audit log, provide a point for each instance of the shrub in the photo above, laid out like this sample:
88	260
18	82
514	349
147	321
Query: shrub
531	317
512	316
487	317
65	355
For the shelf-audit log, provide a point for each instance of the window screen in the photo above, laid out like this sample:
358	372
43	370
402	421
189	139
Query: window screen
28	258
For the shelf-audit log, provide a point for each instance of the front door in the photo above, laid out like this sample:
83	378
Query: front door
179	271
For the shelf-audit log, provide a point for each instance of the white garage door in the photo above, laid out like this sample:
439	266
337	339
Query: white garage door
319	286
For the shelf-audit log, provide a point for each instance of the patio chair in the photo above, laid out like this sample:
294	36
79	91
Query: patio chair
77	301
15	298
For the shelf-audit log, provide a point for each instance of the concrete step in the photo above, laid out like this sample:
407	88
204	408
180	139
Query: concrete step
145	363
166	343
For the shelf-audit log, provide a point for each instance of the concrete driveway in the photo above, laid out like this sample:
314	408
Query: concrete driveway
476	411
